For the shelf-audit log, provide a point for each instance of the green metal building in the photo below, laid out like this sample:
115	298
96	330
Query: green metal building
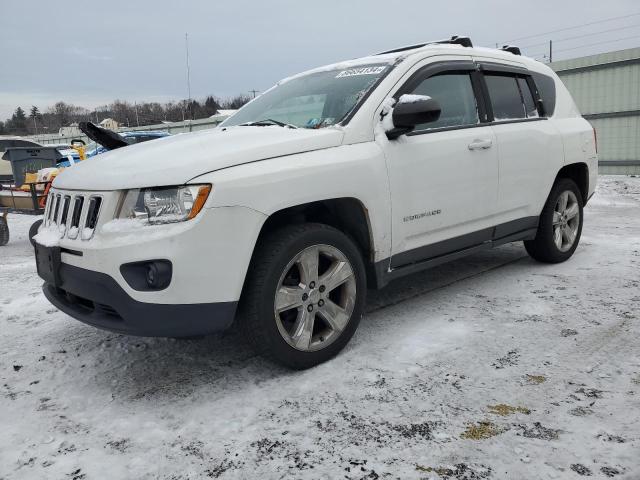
606	88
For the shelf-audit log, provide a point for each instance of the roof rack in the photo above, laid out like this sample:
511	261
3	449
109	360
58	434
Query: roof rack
455	40
511	49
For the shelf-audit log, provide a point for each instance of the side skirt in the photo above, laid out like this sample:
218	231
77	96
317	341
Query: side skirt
438	253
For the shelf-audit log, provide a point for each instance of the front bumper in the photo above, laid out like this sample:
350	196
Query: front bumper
96	299
210	254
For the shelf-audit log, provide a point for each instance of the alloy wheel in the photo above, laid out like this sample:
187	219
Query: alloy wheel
566	220
315	298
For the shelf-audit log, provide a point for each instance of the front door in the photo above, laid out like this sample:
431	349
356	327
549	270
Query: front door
444	175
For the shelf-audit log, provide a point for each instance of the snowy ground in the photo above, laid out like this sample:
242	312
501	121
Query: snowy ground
494	367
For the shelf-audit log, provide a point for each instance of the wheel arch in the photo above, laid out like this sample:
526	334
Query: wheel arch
346	214
579	173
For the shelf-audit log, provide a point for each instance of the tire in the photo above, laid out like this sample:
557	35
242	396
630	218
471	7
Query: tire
4	231
280	295
33	231
557	222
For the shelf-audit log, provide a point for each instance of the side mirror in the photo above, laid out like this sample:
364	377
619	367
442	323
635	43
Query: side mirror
412	110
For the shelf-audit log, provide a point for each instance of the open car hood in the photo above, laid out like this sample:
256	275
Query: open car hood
107	138
177	159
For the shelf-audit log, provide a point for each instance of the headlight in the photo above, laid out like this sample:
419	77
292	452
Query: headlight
164	204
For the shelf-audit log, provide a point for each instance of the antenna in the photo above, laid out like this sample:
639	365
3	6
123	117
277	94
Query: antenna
186	43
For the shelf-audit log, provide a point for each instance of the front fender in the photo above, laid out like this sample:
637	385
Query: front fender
348	171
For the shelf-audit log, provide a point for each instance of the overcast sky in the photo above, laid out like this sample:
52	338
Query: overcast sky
90	53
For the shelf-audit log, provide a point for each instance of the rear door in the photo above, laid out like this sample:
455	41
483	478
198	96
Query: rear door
529	148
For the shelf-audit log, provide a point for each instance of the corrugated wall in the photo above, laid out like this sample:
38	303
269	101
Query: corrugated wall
606	88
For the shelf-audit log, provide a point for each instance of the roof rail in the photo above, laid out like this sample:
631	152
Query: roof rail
511	49
455	40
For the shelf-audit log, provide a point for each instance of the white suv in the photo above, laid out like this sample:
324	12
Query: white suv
336	180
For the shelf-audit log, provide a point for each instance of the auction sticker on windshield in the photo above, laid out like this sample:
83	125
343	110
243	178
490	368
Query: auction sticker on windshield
352	72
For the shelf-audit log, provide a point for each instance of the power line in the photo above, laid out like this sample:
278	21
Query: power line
599	43
576	26
582	36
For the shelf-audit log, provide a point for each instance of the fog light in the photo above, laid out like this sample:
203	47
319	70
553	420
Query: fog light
150	275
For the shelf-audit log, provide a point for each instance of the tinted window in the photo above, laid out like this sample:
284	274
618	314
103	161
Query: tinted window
527	96
547	89
454	93
505	97
4	144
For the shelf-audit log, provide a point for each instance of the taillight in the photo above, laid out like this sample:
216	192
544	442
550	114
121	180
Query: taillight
595	138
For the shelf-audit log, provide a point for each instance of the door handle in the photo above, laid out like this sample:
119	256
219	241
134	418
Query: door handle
480	144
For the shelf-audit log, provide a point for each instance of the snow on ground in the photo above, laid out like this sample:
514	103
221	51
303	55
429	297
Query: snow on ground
493	367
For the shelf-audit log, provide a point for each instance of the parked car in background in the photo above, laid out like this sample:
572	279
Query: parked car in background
7	142
335	180
131	138
105	140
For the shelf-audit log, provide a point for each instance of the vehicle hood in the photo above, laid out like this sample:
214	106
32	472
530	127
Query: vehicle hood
177	159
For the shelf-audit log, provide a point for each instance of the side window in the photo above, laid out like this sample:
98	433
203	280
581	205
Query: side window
454	93
527	96
505	97
547	89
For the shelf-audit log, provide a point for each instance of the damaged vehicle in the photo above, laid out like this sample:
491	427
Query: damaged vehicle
105	139
336	180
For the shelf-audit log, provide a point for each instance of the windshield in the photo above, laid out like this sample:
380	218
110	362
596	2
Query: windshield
314	100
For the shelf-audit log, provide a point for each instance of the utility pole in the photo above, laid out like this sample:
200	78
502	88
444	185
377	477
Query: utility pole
254	92
186	42
550	51
135	104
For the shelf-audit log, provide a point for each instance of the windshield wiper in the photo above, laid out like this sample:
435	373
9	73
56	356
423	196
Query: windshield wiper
266	122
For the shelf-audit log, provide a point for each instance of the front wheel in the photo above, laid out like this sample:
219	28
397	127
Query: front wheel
33	231
304	295
560	224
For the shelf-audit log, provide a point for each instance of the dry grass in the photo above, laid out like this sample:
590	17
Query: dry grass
481	431
536	379
504	409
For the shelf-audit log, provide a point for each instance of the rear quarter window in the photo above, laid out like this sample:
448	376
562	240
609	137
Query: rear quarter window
546	86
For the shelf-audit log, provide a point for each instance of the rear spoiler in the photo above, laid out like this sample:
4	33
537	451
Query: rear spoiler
107	138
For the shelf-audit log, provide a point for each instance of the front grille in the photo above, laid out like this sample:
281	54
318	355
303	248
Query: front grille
74	214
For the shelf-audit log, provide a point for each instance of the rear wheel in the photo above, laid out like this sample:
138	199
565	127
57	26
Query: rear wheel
4	231
304	295
560	224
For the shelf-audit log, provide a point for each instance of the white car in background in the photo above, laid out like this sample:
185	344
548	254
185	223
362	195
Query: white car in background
336	180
